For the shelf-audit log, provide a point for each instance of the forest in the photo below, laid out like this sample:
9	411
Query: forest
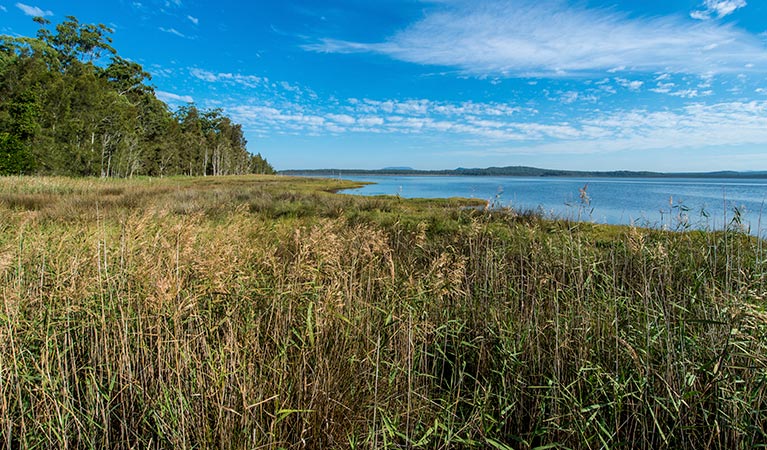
70	105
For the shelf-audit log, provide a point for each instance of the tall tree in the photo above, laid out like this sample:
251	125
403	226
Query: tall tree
77	42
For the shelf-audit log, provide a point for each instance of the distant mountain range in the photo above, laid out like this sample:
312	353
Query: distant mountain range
523	171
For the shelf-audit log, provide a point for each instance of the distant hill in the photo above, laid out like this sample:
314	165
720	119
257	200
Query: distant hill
524	171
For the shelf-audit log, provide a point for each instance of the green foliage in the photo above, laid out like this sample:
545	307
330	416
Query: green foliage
126	76
65	111
257	164
15	159
77	42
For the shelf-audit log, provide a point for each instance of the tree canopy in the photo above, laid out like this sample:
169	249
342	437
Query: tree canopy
70	105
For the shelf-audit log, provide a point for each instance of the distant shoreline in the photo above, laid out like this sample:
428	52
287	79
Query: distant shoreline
523	171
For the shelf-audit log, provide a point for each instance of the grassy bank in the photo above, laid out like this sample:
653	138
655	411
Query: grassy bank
267	312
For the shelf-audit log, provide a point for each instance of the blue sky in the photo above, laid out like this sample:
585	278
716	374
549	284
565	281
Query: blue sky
672	85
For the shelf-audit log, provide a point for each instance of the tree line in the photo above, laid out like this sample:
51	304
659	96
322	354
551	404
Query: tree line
70	105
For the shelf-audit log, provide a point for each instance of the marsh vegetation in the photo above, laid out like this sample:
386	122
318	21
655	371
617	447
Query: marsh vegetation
268	312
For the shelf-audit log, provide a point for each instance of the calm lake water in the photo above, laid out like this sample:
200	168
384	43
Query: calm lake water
669	202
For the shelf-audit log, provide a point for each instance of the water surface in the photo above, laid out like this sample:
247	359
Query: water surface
657	202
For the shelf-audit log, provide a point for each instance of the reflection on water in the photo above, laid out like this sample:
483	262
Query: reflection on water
668	202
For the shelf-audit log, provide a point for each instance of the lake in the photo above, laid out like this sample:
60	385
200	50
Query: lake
673	203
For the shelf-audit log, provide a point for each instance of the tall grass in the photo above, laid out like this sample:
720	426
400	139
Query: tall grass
264	312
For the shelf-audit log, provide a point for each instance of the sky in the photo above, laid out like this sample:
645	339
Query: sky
663	85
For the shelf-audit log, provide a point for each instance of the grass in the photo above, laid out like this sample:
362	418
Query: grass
269	312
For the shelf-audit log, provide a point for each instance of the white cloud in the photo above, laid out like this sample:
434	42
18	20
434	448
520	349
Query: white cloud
203	75
194	20
663	88
173	31
706	81
631	85
257	88
3	8
33	11
169	97
343	119
271	120
696	125
553	39
289	87
717	8
160	71
468	120
685	93
700	15
690	93
569	97
370	121
250	81
422	107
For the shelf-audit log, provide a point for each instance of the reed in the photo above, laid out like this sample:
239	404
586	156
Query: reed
268	312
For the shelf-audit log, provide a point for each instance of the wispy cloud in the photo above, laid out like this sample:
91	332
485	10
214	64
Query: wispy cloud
551	38
489	128
632	85
169	97
3	8
194	20
33	11
160	71
717	9
254	85
173	31
683	87
663	88
570	97
203	75
690	93
696	126
250	81
467	120
422	107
